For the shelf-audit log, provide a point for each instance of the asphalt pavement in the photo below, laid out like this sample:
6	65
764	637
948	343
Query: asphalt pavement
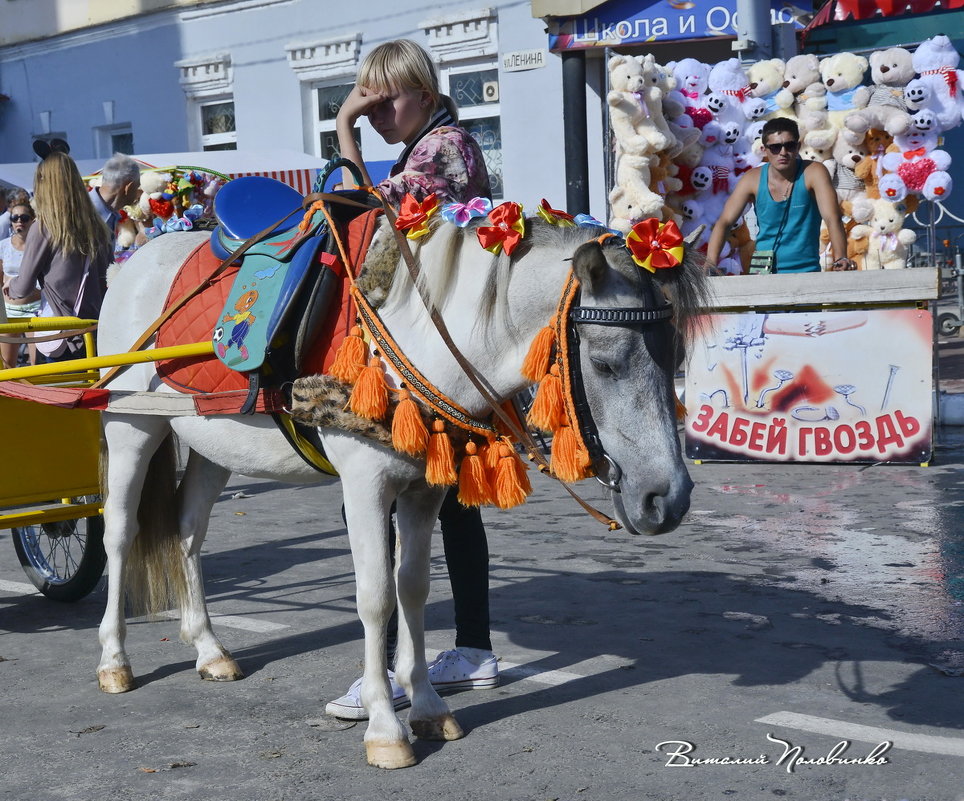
796	608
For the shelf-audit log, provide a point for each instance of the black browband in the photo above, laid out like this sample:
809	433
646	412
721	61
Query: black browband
626	316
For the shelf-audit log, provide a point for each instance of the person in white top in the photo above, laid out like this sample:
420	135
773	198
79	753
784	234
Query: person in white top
11	253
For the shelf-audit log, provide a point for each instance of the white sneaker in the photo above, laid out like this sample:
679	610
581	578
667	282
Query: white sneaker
350	706
452	670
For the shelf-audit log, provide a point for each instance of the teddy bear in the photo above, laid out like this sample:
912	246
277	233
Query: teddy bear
938	87
766	80
636	105
882	105
868	170
692	78
626	207
802	89
804	99
730	96
842	75
887	239
917	166
156	200
845	157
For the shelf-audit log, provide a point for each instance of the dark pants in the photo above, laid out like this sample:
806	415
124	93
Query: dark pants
467	559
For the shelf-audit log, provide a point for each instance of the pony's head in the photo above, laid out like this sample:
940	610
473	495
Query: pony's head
627	371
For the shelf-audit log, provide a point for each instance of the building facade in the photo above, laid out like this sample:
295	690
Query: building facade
149	76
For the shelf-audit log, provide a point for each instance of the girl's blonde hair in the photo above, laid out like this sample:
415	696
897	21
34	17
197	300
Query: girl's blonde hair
403	64
64	209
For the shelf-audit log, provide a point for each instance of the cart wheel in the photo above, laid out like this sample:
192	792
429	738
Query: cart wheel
948	324
64	560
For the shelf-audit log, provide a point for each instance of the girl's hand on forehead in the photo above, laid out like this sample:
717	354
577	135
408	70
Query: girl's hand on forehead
360	101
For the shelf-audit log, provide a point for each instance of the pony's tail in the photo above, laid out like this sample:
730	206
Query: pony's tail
155	578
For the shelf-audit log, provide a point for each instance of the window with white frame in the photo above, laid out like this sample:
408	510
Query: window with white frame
326	69
208	82
465	45
218	128
475	90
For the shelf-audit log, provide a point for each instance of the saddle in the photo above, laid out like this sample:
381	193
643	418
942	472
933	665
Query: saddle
282	311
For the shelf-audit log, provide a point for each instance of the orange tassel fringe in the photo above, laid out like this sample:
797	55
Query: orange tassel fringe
536	363
440	460
369	398
548	410
474	488
350	357
511	482
409	434
568	460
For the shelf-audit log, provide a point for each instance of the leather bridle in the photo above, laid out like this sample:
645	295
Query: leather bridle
625	317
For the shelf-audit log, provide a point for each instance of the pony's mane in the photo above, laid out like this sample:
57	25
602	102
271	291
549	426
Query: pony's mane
386	276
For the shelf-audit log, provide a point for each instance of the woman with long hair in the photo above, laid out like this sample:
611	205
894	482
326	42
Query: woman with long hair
397	89
67	252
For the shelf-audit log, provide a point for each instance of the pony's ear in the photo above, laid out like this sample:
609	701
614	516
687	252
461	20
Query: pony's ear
590	265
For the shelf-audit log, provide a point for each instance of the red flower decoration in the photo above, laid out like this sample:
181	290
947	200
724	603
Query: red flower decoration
655	246
554	216
506	231
414	216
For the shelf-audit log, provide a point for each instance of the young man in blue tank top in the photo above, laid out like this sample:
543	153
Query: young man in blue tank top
790	196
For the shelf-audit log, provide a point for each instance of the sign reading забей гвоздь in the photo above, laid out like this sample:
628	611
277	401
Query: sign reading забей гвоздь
842	385
624	22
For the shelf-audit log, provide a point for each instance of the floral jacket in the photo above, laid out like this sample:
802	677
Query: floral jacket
446	161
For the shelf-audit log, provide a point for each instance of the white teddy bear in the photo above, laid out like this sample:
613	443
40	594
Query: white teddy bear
917	167
842	74
730	95
882	105
888	239
939	86
766	81
636	105
845	159
691	77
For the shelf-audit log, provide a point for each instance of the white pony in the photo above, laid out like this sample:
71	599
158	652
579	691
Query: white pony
493	307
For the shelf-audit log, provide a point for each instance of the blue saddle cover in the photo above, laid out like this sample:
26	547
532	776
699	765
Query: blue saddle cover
270	274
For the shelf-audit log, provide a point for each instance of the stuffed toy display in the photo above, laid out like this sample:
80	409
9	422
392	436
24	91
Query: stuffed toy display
685	132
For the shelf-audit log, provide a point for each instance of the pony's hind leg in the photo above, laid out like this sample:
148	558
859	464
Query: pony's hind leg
130	444
430	717
202	483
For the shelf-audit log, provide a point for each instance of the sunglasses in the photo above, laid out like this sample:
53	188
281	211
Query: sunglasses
790	147
15	218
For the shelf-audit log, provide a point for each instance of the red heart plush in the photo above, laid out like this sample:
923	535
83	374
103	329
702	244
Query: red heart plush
914	173
700	116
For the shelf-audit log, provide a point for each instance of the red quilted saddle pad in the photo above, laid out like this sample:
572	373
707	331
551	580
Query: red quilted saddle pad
196	320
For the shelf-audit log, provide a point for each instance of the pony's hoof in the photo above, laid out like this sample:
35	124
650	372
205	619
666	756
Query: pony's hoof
116	680
389	755
223	668
444	727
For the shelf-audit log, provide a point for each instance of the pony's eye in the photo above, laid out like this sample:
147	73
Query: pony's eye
601	367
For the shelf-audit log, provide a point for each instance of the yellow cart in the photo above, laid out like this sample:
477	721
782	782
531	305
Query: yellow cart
49	465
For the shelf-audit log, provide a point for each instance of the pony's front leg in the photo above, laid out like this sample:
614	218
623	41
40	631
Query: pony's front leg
417	511
202	483
367	510
130	446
